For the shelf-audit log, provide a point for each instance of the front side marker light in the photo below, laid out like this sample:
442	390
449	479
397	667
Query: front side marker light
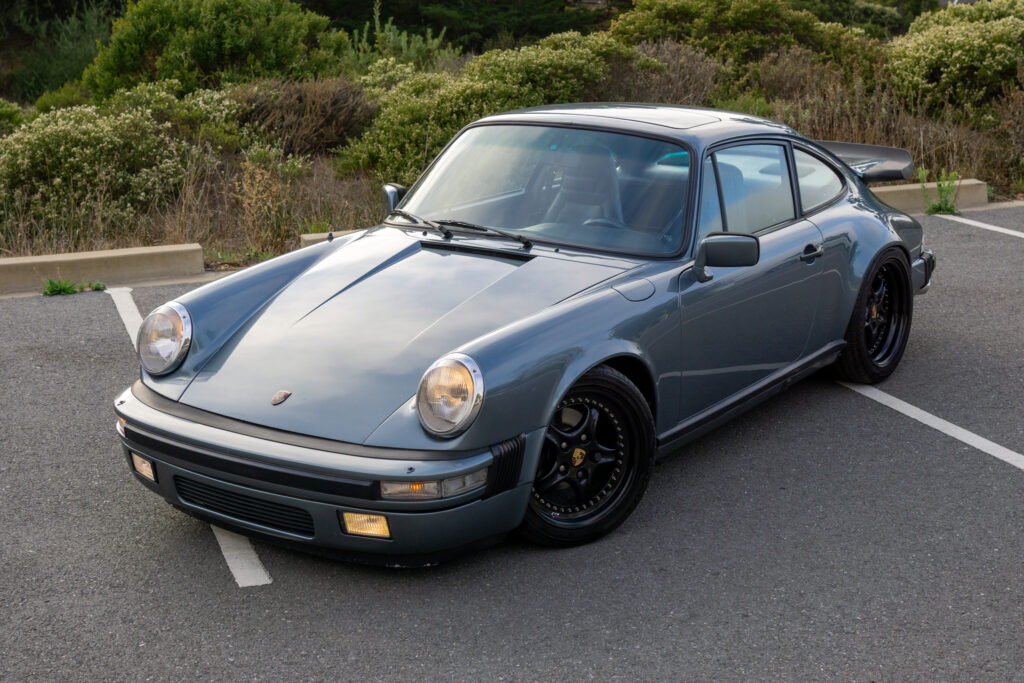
410	490
432	490
360	524
143	467
119	425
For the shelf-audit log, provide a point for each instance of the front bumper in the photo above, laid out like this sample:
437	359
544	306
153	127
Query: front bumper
296	494
922	269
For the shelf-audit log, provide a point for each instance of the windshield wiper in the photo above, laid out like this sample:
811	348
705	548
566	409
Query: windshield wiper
527	244
422	221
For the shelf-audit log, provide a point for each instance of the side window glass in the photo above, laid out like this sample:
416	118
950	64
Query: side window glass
755	186
710	207
818	182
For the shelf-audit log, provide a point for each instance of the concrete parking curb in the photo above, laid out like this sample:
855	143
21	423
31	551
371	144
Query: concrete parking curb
109	266
970	193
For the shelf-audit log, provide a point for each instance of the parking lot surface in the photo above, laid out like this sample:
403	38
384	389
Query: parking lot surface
822	535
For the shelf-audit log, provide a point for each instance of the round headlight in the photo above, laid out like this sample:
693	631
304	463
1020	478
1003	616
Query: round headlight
164	338
450	395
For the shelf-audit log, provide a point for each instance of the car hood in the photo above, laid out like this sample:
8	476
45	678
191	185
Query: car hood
351	337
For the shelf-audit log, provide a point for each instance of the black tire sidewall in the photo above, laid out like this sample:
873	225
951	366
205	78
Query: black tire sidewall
538	529
855	363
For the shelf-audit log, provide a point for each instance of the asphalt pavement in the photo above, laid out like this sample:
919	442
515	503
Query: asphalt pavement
820	536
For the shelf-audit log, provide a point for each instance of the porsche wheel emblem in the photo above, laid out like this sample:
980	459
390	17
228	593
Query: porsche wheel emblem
577	457
280	397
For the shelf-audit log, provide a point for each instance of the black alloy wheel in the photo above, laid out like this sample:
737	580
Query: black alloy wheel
885	319
880	325
595	462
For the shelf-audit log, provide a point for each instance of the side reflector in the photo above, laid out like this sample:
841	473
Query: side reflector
361	524
143	467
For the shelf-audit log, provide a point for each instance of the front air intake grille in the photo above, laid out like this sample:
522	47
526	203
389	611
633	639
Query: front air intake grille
284	518
508	461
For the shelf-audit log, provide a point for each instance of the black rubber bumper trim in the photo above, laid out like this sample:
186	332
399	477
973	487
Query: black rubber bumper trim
166	405
148	444
929	264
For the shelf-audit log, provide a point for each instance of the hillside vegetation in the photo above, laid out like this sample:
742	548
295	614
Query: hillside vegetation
243	123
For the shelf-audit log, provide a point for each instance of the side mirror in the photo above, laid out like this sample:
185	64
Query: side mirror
725	250
393	193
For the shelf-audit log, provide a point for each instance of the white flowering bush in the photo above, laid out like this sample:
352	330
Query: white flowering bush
965	63
954	15
385	74
118	163
208	117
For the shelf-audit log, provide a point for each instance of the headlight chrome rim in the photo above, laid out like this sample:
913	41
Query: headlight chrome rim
477	395
184	342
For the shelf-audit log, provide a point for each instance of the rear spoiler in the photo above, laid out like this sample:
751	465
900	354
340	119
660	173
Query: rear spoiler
873	163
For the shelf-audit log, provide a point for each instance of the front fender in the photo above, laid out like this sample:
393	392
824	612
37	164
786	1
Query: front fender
528	366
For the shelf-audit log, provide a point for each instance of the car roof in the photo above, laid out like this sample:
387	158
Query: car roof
696	125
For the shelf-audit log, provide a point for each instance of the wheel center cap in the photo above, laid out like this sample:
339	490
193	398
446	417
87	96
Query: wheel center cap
578	455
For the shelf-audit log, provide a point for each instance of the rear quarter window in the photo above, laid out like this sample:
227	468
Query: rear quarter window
819	183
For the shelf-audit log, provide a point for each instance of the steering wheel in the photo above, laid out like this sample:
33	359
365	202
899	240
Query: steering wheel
606	222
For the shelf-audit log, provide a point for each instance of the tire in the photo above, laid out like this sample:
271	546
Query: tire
595	463
880	324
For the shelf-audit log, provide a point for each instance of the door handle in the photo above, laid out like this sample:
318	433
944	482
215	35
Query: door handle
810	255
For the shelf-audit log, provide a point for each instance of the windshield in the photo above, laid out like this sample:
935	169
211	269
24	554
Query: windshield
581	187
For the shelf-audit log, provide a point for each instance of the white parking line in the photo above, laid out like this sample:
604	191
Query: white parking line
242	559
238	552
937	423
979	224
127	309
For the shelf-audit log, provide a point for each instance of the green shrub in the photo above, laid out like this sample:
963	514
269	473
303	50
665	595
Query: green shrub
470	24
875	19
204	43
70	94
418	116
964	64
11	116
744	31
308	116
387	41
82	160
61	50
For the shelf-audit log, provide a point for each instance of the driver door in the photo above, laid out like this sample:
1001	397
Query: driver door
747	323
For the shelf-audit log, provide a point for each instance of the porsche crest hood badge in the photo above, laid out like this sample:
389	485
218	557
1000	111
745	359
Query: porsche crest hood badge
280	397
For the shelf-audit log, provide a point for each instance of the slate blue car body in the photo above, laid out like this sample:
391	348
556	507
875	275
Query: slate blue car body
349	327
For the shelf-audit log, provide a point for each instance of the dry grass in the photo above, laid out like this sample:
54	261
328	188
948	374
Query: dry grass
243	214
306	117
686	76
836	111
1009	111
792	73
